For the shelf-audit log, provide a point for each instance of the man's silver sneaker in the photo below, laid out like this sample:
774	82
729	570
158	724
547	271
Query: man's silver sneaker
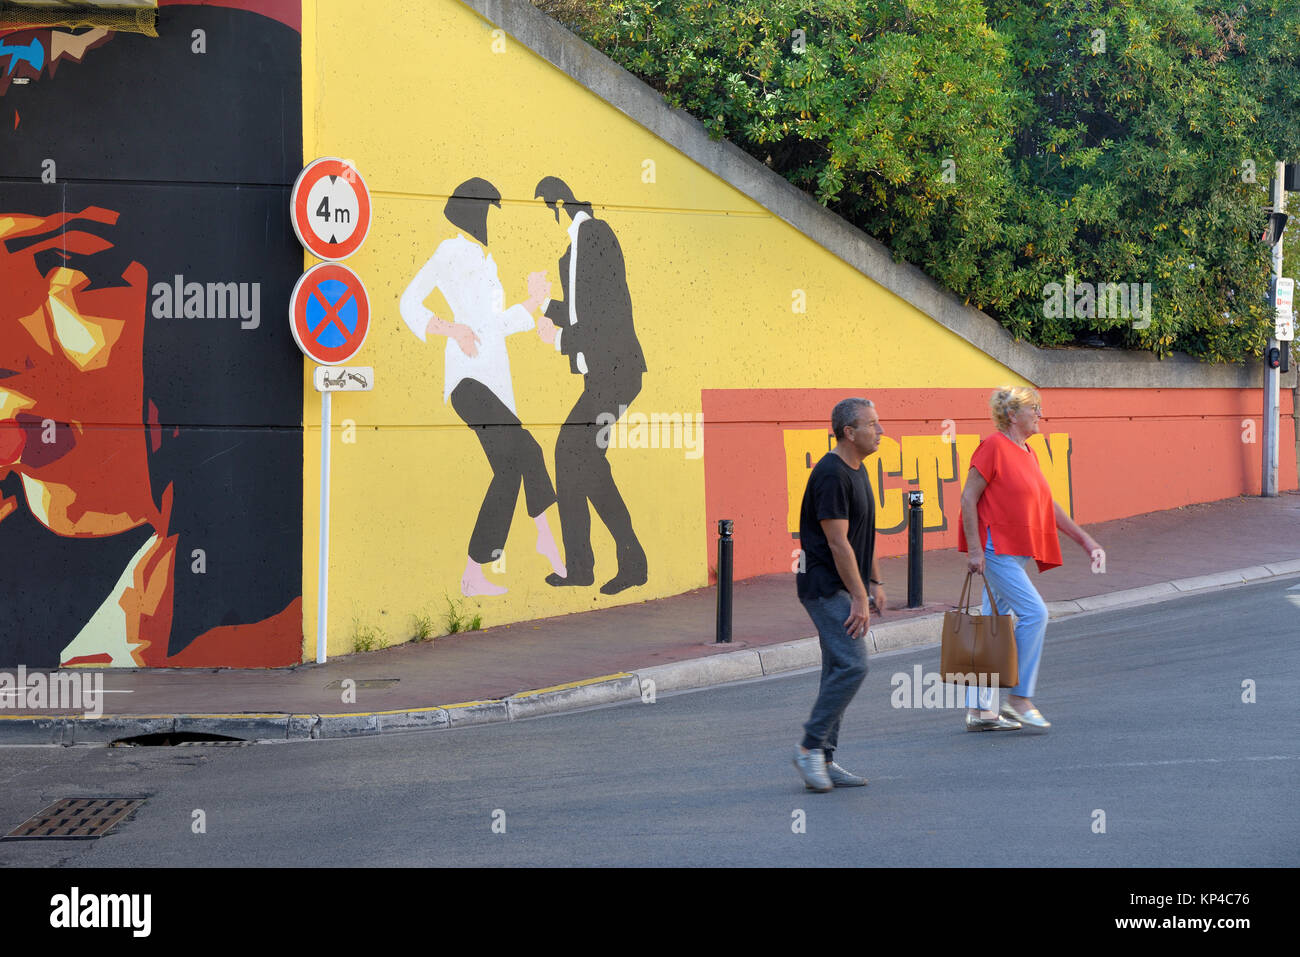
812	766
844	779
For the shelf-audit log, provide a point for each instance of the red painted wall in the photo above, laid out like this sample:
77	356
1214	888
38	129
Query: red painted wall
1109	453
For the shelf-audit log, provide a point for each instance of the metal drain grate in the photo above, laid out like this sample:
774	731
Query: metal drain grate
75	819
213	744
363	683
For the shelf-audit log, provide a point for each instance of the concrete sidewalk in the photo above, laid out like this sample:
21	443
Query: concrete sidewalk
580	660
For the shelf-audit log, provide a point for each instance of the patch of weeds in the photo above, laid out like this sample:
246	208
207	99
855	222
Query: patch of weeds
456	618
422	627
366	637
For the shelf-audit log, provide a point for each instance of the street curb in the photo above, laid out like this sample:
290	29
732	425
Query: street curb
572	696
644	684
1129	596
704	672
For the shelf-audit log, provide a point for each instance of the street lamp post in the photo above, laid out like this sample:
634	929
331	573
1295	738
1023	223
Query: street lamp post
1272	377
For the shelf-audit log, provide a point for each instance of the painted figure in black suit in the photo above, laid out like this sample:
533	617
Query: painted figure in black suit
592	325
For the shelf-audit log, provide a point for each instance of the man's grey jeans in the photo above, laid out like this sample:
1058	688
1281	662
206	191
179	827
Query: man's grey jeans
844	666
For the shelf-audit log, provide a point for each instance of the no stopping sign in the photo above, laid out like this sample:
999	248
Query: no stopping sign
329	313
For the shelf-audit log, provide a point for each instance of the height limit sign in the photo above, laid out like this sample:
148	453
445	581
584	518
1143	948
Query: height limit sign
331	209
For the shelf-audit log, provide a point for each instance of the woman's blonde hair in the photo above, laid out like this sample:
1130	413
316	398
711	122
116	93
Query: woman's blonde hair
1008	401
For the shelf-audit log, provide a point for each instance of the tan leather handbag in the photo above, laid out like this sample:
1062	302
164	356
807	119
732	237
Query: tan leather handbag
978	649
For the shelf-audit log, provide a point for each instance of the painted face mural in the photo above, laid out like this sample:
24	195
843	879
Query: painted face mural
145	408
600	345
70	357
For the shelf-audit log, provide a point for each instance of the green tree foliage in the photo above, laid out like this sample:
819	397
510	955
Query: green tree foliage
1005	145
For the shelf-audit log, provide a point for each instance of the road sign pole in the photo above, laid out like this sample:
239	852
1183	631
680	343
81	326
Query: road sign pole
323	577
1272	378
329	316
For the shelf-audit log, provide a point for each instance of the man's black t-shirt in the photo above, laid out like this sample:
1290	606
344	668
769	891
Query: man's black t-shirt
834	491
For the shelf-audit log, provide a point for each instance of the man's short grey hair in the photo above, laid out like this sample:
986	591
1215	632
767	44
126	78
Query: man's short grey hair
846	412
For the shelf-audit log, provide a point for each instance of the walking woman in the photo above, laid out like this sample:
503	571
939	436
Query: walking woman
477	381
1008	506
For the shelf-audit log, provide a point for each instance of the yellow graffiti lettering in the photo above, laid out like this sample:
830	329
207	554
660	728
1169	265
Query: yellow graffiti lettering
803	449
965	446
886	460
1054	459
928	462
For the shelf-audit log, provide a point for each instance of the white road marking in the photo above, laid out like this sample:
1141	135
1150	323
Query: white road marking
14	694
1151	764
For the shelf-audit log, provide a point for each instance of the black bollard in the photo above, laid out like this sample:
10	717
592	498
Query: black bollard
725	528
915	529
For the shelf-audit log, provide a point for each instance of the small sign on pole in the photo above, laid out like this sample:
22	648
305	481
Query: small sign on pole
344	379
1283	300
329	313
330	209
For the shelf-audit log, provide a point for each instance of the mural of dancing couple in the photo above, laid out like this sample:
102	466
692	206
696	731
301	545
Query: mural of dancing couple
590	324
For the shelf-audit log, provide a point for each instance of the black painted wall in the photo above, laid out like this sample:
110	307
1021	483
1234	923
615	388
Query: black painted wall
186	160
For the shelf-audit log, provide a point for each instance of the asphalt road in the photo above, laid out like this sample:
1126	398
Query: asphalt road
1150	727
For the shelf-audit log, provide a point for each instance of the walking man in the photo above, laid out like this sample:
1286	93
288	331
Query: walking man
837	534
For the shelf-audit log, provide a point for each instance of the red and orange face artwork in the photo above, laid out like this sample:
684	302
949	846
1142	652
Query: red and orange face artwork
71	373
63	338
71	398
71	377
138	528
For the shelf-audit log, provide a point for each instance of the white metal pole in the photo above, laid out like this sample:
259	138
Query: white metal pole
1272	377
322	584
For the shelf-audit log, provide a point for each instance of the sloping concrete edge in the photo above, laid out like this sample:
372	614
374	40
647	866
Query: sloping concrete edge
790	656
573	696
645	683
1283	568
1198	582
29	730
1128	596
703	672
1046	368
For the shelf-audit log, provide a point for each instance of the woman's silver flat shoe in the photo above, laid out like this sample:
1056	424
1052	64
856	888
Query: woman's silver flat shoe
1032	719
976	723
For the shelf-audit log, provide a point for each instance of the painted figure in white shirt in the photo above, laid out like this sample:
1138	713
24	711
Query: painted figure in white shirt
478	384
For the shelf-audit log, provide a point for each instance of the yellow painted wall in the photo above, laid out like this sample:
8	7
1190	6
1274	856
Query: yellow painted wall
428	94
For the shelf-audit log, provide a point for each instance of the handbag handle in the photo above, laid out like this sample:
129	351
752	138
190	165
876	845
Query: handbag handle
993	605
963	602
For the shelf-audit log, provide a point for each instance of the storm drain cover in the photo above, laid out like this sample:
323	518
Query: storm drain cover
179	739
364	683
75	819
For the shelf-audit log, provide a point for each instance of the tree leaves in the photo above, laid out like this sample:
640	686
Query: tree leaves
1004	145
